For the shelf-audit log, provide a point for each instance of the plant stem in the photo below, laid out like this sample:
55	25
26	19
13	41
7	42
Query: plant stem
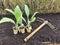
16	25
27	20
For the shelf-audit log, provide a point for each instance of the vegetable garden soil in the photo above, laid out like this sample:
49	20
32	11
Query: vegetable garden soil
42	37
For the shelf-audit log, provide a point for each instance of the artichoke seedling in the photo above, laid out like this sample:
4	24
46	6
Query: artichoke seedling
18	24
29	21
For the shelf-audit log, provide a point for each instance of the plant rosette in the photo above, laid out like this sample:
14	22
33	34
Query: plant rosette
29	29
19	18
22	29
15	30
29	20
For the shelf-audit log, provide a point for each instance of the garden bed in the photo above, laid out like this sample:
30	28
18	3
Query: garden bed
44	35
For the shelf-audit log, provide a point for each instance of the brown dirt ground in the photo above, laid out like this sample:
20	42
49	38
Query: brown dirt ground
44	35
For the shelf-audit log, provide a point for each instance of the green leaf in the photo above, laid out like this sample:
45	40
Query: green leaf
9	10
24	19
5	19
27	10
19	21
18	14
34	14
33	19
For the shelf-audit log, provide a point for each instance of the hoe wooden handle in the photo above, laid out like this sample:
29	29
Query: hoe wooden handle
36	30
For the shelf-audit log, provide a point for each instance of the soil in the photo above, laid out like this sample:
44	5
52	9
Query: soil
46	34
